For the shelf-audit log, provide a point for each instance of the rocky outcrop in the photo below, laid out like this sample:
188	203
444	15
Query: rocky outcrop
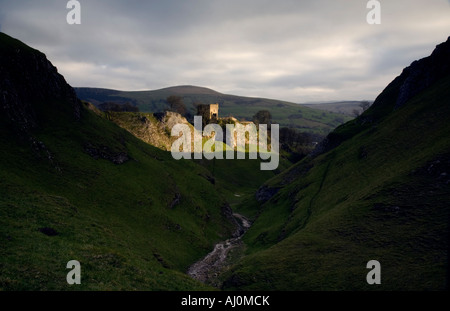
265	193
105	152
414	79
155	129
28	79
170	119
423	73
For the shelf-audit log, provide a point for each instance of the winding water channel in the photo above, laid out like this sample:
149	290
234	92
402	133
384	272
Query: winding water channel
207	269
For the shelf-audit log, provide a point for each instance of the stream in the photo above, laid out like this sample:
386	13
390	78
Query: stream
207	269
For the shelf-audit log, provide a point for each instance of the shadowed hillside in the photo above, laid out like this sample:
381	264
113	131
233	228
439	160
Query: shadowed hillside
75	186
377	189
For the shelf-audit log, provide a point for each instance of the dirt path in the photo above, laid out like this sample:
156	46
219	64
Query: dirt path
208	269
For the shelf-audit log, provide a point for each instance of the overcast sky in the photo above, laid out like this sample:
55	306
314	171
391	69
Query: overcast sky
294	50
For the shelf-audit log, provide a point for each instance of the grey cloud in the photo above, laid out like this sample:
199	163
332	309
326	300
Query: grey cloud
288	48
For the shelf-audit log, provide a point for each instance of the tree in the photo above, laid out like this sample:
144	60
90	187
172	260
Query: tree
263	117
296	144
176	104
111	106
203	111
129	107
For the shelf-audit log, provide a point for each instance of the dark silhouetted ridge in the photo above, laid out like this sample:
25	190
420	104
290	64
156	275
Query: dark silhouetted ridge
28	79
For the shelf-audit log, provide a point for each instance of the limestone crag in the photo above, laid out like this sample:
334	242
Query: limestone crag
414	79
27	78
28	82
423	73
155	129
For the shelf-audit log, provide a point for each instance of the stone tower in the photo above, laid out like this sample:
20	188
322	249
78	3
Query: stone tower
214	111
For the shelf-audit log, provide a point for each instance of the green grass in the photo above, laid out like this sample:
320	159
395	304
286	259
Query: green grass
370	198
119	221
140	225
236	179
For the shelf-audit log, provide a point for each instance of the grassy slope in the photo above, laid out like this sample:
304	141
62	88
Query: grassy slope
238	179
150	131
373	197
283	113
117	220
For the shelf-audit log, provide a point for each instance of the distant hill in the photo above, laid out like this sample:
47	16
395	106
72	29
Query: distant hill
342	107
286	114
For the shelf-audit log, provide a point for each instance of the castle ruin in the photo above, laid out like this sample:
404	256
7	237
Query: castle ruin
214	111
208	112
